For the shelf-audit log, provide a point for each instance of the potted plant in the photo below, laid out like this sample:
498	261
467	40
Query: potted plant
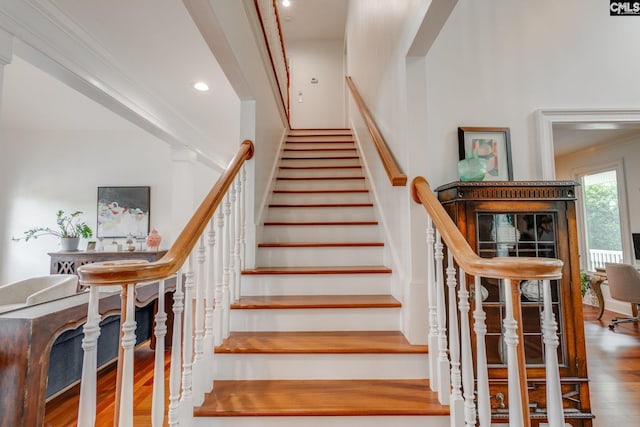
69	230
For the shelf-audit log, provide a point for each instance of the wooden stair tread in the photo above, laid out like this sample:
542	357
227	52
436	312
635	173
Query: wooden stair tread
321	205
317	178
315	301
323	158
319	244
320	167
320	223
356	190
320	149
320	342
321	398
373	269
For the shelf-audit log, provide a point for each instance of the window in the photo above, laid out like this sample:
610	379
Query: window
601	218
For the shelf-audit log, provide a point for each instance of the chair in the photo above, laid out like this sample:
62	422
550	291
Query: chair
35	290
624	285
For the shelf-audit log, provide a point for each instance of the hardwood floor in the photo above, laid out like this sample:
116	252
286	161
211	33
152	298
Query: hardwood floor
613	360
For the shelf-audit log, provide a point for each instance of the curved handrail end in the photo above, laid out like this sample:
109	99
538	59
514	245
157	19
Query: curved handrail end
414	190
252	149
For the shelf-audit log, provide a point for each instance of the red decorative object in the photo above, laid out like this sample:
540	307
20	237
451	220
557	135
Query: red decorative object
153	240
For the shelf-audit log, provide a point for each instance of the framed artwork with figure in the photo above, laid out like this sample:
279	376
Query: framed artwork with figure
123	211
491	144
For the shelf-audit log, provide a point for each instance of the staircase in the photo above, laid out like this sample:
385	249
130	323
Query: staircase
315	336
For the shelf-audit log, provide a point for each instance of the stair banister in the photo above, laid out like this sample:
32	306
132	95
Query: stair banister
394	172
510	271
198	282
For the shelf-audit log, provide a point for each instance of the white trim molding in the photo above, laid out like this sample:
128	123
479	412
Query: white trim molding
545	119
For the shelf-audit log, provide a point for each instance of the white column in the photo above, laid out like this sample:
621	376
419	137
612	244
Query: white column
466	356
480	328
219	310
456	403
555	415
209	303
88	384
182	190
444	384
248	131
513	371
128	342
176	354
433	310
198	369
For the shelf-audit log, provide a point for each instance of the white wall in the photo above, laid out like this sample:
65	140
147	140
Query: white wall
322	103
45	171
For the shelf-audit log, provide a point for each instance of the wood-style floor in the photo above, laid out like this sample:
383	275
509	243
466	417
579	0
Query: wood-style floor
613	361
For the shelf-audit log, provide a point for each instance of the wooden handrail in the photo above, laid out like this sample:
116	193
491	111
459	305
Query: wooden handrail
395	174
498	268
127	272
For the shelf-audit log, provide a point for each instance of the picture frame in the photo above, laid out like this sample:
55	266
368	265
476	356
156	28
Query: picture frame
123	211
490	143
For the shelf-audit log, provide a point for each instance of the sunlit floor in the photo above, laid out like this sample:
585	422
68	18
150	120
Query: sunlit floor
613	359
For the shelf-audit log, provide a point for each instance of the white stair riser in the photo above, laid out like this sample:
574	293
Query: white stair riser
321	184
320	153
342	213
321	136
324	421
341	143
320	366
320	162
315	198
316	284
321	233
306	173
334	256
315	319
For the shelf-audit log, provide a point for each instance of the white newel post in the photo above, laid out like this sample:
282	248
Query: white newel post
555	416
128	343
243	217
444	385
456	403
238	231
480	328
433	312
511	340
88	385
160	330
176	354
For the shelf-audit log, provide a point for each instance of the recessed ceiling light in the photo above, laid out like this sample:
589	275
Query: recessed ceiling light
201	86
286	3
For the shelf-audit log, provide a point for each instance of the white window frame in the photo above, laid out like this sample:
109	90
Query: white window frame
625	225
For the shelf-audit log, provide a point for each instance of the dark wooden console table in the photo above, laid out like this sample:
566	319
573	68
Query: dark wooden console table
26	338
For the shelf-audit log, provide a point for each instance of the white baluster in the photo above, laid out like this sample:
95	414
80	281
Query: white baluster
433	313
160	330
243	217
555	415
444	385
466	355
238	231
218	312
513	372
457	403
480	328
186	407
176	355
128	343
209	333
232	243
198	370
226	252
88	385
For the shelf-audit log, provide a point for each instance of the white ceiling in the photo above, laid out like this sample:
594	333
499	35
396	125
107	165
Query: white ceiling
572	137
313	19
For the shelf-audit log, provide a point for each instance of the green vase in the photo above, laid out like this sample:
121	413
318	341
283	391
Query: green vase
472	169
